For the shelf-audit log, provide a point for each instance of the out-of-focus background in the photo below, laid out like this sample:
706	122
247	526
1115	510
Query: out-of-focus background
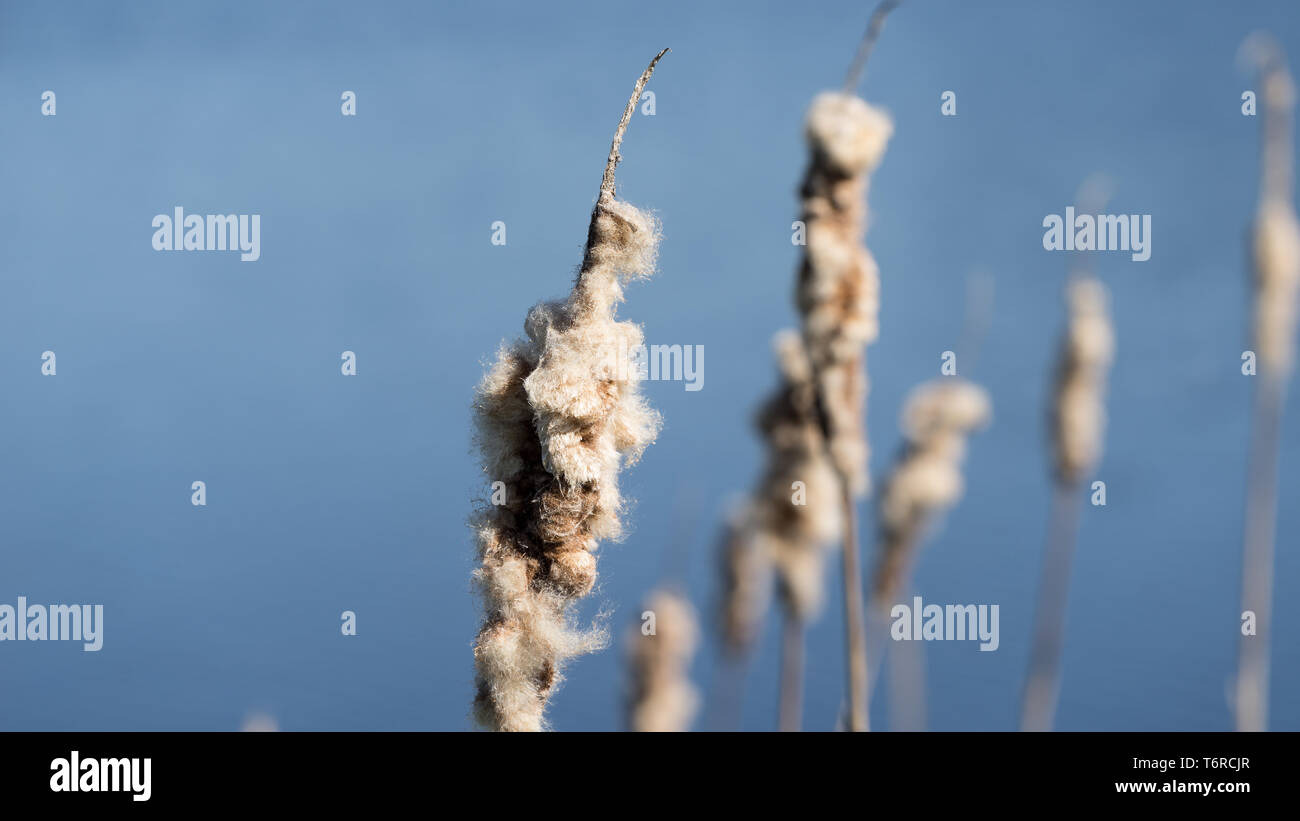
327	493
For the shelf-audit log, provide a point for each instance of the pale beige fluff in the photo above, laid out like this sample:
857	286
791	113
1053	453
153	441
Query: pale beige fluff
850	133
557	416
838	290
746	580
1078	408
1277	280
663	700
937	418
796	506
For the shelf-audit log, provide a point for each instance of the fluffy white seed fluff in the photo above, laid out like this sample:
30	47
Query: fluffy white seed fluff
1277	280
557	416
838	291
1079	410
663	700
937	418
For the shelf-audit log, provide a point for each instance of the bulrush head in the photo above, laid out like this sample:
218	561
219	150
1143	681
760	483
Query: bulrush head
797	501
1078	407
557	416
838	288
937	419
663	700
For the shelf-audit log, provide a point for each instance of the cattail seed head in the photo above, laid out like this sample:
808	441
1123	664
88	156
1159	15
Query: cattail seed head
1277	281
663	700
937	418
556	418
838	289
797	502
1078	409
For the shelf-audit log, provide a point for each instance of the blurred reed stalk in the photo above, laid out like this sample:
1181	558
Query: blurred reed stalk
786	526
838	297
557	416
938	417
1275	255
902	533
1077	426
746	572
662	699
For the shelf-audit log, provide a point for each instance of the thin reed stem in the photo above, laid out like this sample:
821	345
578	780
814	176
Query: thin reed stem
790	710
907	687
1257	561
1042	687
607	181
854	77
878	624
1276	263
855	638
725	710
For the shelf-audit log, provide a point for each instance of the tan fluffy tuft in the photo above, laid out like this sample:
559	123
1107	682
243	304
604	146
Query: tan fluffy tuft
937	418
557	416
663	700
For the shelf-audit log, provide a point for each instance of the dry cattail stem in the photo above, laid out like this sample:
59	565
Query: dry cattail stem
746	570
1078	421
874	26
556	419
790	707
1276	259
663	699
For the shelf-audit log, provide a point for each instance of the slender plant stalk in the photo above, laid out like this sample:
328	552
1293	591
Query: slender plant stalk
855	636
1276	260
746	573
853	78
1078	421
907	687
1044	681
1257	559
790	714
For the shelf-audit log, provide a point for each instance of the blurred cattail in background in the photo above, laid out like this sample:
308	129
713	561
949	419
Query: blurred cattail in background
938	416
745	569
1077	426
926	479
793	518
746	580
1275	258
663	700
259	723
557	416
838	297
